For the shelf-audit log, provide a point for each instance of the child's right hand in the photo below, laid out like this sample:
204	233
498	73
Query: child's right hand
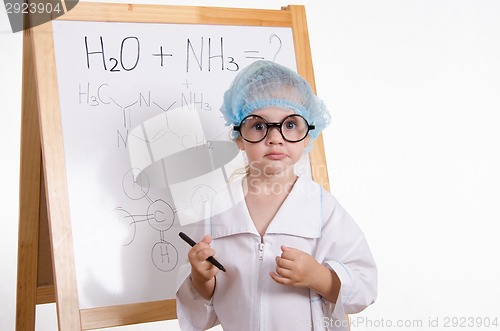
203	272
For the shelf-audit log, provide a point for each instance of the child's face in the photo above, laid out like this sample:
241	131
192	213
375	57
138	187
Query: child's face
273	155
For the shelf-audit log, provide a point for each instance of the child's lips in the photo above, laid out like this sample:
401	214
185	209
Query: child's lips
276	155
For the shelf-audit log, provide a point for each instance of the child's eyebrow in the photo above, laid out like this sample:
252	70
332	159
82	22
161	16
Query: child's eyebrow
269	121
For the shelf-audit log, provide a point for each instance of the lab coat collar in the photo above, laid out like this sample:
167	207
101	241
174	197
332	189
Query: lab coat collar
299	215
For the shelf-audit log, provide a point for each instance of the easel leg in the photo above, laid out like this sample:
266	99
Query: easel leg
45	291
29	196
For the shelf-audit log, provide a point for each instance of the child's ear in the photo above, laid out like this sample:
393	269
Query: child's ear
239	143
307	140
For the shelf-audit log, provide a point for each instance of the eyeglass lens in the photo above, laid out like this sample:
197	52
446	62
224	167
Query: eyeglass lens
255	128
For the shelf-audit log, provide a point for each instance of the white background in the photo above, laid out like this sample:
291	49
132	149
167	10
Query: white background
413	151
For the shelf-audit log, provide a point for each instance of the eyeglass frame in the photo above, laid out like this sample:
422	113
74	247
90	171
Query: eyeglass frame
269	125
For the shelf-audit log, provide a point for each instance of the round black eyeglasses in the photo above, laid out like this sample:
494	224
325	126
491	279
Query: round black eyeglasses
254	128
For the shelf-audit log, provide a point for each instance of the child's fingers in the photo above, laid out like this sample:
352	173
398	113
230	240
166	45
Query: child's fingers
279	279
282	272
200	265
205	253
202	250
283	263
289	253
207	239
197	255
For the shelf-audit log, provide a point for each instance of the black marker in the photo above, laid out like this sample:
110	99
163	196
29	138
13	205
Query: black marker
210	259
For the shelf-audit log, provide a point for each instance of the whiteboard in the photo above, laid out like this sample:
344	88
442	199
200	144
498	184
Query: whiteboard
131	96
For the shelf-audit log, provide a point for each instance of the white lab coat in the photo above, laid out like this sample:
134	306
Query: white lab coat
246	297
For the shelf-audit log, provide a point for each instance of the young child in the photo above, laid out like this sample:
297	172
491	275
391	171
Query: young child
295	259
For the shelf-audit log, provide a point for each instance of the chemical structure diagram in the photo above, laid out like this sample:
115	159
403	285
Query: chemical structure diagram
159	215
136	184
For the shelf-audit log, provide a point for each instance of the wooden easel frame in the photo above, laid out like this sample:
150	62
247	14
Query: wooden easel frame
46	266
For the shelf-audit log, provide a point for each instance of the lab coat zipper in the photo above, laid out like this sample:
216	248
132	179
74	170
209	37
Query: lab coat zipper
259	286
261	251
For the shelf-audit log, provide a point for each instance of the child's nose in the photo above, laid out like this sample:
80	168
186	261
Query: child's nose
274	135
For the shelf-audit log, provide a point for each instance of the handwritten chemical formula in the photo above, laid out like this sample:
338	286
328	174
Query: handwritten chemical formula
204	54
102	95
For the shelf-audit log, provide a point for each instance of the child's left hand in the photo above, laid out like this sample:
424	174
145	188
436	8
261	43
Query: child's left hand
295	268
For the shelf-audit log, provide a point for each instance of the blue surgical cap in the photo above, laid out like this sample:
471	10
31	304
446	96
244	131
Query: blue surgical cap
267	84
